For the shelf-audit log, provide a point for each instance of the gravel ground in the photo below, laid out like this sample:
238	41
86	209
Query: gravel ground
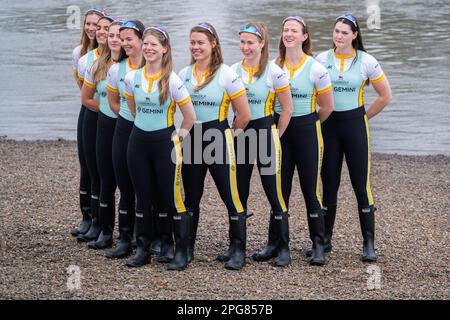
39	203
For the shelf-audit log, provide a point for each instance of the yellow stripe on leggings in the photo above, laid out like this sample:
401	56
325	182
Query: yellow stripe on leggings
232	168
177	181
320	155
369	159
276	140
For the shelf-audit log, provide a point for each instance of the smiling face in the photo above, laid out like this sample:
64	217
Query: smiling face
200	46
251	46
90	25
102	31
293	34
114	42
152	49
343	35
131	43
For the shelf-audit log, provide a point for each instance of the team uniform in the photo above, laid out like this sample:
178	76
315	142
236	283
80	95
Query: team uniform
346	132
149	154
211	106
302	143
89	133
124	125
105	131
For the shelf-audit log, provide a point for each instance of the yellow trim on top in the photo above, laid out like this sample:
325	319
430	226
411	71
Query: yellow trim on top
237	95
179	204
170	113
319	166
184	101
131	66
369	159
224	107
270	101
128	96
378	79
202	77
324	90
150	79
283	89
361	94
276	140
250	71
339	56
109	88
297	67
96	53
90	85
232	172
80	78
314	100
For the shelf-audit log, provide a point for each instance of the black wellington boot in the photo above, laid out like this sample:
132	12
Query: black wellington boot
94	229
316	226
126	226
193	226
181	232
166	236
85	206
367	222
281	224
238	240
155	242
329	218
143	225
224	257
271	249
107	217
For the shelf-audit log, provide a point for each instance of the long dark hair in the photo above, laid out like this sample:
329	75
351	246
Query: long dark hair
216	54
357	43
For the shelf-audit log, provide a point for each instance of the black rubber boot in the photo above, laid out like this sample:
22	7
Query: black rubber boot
281	224
271	249
107	217
329	217
166	235
224	257
181	233
143	225
316	226
85	206
155	242
238	240
367	222
94	230
193	226
126	226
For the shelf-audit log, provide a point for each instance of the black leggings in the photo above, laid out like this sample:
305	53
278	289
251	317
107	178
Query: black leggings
85	179
222	165
263	145
154	161
105	132
119	158
302	147
89	148
347	133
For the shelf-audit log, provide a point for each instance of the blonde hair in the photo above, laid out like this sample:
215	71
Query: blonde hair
86	43
166	65
306	45
216	54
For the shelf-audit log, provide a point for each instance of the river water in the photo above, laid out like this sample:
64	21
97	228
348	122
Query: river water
41	101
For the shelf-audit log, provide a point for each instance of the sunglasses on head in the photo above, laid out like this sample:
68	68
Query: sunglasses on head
206	27
99	10
159	28
251	29
296	18
350	18
130	25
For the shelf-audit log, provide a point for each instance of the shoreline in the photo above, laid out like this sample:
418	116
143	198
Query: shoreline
39	183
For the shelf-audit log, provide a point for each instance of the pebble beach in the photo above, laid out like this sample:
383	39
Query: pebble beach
39	207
